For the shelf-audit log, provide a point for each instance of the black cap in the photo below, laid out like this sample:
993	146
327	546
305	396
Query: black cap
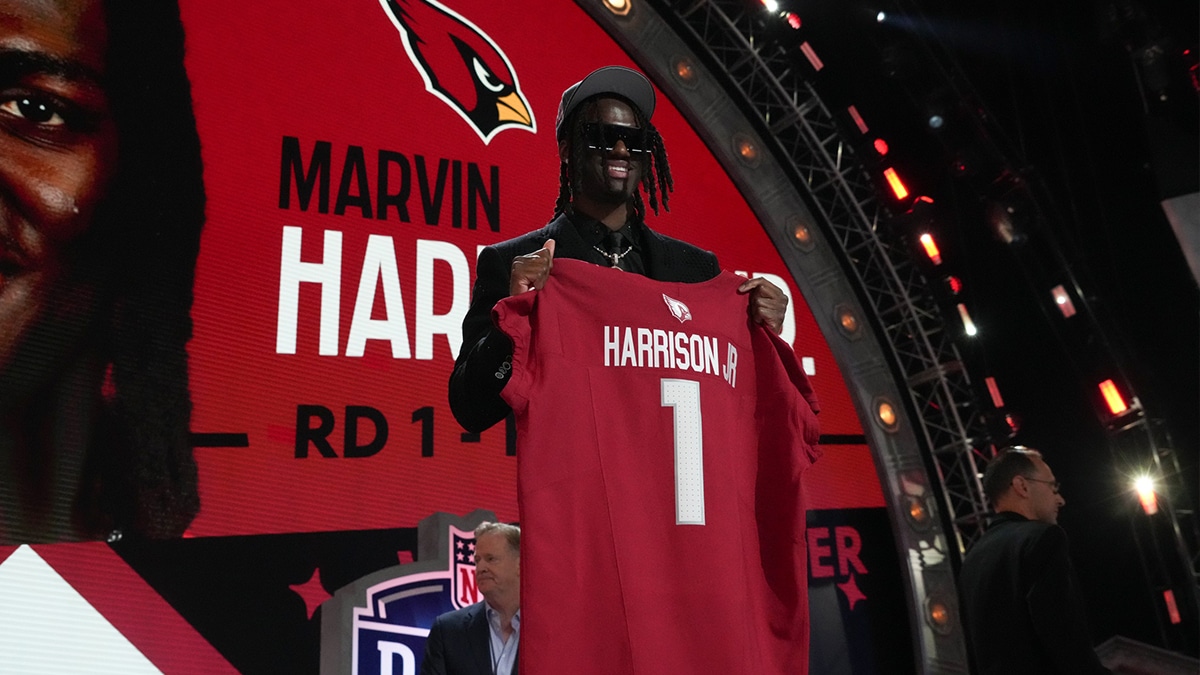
618	80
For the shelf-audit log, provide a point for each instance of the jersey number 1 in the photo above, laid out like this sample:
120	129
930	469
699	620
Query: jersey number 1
683	397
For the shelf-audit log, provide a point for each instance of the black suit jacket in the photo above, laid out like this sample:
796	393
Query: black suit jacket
482	367
1022	608
459	644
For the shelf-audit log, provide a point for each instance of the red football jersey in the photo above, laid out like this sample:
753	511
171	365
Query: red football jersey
661	436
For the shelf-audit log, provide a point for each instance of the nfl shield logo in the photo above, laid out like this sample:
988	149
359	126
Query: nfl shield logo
462	568
377	625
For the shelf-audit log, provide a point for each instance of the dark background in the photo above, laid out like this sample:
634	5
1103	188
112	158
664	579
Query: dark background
1083	116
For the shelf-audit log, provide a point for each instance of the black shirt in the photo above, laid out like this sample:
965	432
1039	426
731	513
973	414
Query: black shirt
593	232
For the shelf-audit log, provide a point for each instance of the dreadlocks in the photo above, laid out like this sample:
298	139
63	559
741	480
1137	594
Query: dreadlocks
147	476
656	179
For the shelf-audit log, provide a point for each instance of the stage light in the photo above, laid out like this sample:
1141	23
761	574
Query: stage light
1172	608
747	150
1112	397
811	55
896	184
684	70
1063	300
954	284
858	120
936	121
931	248
968	324
619	7
918	513
881	146
881	17
886	415
847	321
793	20
937	614
1144	486
802	236
771	5
994	390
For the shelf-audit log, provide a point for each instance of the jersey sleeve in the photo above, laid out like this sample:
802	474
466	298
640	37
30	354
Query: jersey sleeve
515	317
785	392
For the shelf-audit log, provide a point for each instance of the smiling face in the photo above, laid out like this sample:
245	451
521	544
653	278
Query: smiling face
607	178
58	152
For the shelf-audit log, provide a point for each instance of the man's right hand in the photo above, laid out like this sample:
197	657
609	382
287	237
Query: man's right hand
529	272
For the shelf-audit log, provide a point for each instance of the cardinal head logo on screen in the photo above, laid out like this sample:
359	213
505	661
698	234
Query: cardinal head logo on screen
462	65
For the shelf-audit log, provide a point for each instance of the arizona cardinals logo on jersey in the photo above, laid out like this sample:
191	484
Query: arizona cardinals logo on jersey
462	66
678	309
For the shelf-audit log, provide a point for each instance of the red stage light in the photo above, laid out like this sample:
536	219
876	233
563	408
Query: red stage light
1112	397
955	284
858	120
793	20
811	55
968	325
994	390
1172	608
1063	300
893	180
931	248
1146	495
881	146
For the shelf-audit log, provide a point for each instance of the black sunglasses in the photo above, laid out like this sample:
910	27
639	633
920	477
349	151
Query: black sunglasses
604	137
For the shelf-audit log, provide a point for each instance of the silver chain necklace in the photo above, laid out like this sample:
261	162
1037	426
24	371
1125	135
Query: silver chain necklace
613	258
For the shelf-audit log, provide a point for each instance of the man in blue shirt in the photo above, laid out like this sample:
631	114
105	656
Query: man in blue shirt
482	639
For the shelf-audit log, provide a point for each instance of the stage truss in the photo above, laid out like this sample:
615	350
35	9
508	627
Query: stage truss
794	160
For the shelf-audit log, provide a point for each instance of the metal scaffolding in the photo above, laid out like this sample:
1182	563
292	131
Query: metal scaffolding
811	145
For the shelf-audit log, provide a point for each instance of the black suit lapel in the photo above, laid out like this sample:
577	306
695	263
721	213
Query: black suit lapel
659	262
567	243
480	639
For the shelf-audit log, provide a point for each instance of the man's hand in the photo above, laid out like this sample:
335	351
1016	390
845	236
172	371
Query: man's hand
768	303
529	272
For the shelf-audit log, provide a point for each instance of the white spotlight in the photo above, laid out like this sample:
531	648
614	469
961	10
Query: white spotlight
1145	490
968	325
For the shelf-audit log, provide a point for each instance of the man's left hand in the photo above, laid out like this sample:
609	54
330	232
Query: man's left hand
768	303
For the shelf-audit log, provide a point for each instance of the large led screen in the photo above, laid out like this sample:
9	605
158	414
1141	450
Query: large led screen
237	243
